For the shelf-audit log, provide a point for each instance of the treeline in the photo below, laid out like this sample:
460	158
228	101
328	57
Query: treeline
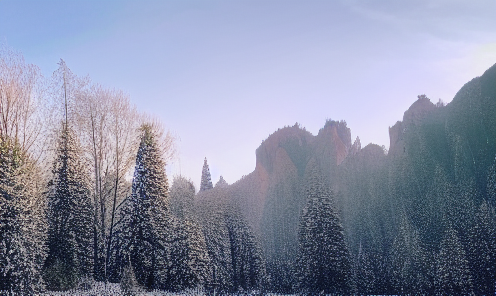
417	219
84	195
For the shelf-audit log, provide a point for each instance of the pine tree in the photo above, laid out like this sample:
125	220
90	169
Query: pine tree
210	208
247	261
491	185
453	274
189	261
182	194
70	216
188	264
323	262
23	223
482	250
145	214
408	260
221	182
206	180
363	274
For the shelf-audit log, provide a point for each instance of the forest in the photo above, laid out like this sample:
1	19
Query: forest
85	199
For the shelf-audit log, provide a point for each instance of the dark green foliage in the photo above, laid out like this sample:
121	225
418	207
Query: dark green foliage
453	274
363	273
182	194
481	250
409	266
323	262
206	179
247	262
60	276
23	224
145	215
70	216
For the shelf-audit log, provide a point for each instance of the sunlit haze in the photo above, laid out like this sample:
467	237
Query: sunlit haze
223	75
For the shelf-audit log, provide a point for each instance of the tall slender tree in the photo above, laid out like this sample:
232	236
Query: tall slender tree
323	261
206	179
70	216
453	274
248	264
146	215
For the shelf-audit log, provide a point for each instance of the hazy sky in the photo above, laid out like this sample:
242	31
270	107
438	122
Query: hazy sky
223	75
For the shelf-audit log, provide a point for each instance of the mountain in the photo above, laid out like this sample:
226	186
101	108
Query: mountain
435	177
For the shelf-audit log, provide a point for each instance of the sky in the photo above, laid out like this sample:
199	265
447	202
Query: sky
223	75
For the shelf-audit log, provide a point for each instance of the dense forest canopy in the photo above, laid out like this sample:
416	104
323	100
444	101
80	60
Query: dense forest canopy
84	197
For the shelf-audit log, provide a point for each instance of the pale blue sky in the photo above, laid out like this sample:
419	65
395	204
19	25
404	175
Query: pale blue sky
223	75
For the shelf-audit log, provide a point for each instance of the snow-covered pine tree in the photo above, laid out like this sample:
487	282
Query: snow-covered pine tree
453	274
23	226
210	208
206	179
363	273
408	260
182	194
323	264
221	182
70	216
189	264
247	260
188	260
482	250
145	214
491	185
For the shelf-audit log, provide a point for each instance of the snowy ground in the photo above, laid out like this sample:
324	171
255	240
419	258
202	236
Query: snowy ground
100	289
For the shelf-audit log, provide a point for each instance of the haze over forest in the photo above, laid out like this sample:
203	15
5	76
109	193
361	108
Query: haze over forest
247	148
319	214
228	65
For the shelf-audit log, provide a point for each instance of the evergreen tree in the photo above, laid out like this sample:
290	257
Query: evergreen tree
482	250
145	215
453	274
491	185
188	260
221	182
70	216
323	261
182	194
23	223
247	261
363	273
408	260
206	180
210	208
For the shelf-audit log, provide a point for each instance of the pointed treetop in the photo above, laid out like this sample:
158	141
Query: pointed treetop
206	179
221	183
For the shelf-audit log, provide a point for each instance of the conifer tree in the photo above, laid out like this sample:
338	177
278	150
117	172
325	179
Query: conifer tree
23	226
247	261
408	260
363	274
323	261
145	214
182	194
210	209
70	216
206	179
221	182
453	274
188	265
482	250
